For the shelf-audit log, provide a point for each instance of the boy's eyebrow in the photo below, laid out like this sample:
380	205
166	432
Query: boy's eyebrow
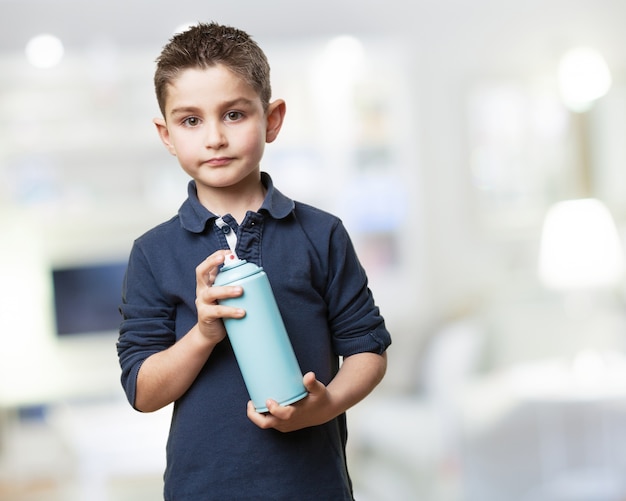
184	109
240	101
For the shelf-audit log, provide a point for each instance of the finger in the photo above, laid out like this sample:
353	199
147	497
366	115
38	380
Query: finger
309	380
282	412
211	312
312	385
213	294
264	421
209	309
207	270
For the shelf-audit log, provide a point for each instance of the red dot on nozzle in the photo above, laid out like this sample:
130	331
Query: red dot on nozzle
232	256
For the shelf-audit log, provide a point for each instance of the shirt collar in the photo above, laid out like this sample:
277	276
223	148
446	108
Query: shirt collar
194	216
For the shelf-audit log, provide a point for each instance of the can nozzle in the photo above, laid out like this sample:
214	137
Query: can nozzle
231	259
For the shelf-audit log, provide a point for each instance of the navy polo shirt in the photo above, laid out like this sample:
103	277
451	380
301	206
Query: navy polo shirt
214	452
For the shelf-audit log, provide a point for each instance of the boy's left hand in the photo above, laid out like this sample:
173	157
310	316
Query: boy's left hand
314	409
357	377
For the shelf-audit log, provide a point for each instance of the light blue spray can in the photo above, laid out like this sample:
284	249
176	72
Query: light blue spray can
262	347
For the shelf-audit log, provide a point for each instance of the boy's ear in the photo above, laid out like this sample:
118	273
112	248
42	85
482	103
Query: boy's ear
275	115
164	134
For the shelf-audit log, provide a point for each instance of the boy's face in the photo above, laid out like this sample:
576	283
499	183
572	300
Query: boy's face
216	126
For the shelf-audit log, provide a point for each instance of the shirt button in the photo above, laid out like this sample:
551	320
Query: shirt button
226	229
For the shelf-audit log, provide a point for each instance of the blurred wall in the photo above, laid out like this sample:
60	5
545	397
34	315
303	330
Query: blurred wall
388	133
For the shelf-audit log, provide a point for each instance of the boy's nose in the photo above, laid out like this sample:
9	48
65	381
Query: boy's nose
214	137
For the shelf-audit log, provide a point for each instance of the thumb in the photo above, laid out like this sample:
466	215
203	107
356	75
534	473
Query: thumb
311	384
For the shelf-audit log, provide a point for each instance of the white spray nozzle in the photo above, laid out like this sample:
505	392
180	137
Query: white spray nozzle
231	259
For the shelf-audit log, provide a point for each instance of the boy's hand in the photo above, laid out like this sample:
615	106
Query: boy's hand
314	409
357	377
210	313
166	375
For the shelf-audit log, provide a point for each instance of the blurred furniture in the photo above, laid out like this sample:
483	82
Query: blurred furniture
405	446
108	440
549	431
580	247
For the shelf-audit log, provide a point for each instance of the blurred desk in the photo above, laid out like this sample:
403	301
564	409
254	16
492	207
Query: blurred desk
548	431
81	367
110	439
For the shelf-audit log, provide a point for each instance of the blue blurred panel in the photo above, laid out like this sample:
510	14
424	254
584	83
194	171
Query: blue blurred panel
86	298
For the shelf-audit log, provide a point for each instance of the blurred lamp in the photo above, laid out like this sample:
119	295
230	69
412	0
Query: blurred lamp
44	51
580	247
583	78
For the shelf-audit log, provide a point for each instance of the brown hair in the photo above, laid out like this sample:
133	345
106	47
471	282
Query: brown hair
205	45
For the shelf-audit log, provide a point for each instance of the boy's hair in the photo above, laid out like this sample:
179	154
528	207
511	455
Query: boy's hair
205	45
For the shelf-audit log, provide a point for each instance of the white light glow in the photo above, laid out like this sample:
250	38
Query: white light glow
181	28
584	77
344	56
580	246
334	74
44	51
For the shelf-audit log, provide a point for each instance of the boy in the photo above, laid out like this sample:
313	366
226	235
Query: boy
212	86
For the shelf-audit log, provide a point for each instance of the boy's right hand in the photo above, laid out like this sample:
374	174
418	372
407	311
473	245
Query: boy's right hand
166	375
210	313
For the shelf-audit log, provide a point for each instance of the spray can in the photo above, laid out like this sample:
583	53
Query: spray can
260	342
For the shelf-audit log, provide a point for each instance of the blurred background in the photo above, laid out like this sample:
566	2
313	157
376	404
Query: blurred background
476	151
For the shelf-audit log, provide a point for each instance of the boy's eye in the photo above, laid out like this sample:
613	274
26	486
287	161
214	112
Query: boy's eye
232	116
191	121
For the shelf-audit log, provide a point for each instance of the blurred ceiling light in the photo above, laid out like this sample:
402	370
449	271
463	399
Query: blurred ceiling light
344	57
44	51
580	247
335	72
583	78
345	46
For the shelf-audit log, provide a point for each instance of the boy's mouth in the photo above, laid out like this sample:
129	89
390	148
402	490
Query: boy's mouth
219	161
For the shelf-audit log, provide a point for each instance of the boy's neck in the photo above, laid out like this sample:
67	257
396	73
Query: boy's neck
236	201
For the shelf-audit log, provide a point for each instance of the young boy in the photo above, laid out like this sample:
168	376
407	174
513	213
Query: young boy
213	89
